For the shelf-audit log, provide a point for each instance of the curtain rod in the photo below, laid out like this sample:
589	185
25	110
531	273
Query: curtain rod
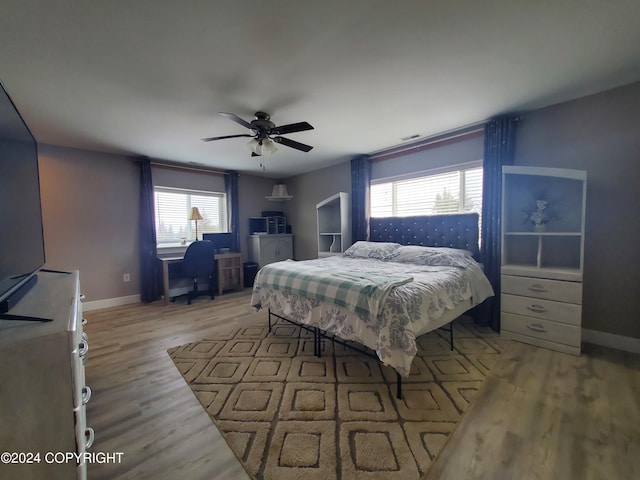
429	142
180	168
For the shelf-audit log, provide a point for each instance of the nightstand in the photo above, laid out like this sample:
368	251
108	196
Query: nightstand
230	275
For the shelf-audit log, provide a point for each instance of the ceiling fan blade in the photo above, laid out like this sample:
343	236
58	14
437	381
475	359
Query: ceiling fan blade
291	128
292	144
210	139
235	118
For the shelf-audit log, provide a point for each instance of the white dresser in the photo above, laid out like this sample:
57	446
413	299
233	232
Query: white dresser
543	214
43	394
265	249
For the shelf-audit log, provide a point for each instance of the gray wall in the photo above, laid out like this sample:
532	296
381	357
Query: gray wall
599	134
308	190
90	209
90	216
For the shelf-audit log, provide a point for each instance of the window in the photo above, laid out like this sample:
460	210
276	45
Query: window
172	208
456	191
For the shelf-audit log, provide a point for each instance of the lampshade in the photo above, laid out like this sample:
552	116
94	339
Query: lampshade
279	190
279	193
195	214
263	146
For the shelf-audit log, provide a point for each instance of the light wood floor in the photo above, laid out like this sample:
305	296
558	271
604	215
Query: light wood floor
540	414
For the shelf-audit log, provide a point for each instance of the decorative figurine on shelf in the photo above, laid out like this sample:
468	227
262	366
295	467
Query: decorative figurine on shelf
540	216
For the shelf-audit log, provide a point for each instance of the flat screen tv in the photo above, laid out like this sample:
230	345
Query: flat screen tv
21	235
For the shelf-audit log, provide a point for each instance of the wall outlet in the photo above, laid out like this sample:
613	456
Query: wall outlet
126	277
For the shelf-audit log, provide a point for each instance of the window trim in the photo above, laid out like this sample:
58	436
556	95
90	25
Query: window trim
429	172
463	166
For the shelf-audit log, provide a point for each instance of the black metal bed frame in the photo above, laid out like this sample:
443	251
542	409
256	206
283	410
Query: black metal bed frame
319	334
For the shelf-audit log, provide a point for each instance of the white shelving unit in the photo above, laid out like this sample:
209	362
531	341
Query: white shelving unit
334	225
542	264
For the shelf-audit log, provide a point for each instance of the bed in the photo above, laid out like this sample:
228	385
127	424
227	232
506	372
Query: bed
385	293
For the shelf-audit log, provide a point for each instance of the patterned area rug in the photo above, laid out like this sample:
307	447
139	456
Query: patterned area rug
287	414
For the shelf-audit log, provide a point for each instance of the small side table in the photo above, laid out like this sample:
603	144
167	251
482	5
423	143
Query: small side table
230	274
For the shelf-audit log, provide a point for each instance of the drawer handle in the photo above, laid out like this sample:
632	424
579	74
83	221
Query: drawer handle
84	348
536	327
537	288
90	436
537	308
86	394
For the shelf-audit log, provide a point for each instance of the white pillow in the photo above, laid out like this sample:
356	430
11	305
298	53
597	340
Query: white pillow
378	250
434	256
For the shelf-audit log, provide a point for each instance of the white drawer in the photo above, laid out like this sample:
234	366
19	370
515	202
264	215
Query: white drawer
80	417
570	292
78	375
542	329
84	435
77	369
545	309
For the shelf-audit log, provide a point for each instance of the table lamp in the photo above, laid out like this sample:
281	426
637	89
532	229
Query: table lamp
195	215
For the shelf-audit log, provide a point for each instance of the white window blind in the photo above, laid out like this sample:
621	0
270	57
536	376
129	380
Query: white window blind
449	192
173	207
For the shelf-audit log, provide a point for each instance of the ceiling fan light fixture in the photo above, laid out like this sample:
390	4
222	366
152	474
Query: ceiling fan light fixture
269	147
253	145
262	147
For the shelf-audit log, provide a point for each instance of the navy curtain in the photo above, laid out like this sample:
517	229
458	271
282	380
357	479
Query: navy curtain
499	150
360	193
150	287
231	189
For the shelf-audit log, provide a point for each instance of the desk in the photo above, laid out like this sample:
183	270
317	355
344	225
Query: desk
230	273
165	274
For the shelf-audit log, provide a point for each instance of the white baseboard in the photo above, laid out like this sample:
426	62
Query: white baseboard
628	344
110	302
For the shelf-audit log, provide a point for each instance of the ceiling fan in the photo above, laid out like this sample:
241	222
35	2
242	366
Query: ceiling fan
263	133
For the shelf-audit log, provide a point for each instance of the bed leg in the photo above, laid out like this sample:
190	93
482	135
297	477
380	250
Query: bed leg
318	341
315	342
398	386
451	336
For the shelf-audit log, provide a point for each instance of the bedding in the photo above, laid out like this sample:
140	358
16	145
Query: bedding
410	308
379	250
361	292
435	256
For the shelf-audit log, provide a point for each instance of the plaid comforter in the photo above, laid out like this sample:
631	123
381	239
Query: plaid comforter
359	292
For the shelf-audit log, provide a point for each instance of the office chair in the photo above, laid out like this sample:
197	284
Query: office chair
198	270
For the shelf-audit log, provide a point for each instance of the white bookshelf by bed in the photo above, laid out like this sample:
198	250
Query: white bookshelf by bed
334	225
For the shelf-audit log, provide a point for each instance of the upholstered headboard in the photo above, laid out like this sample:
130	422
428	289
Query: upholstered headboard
455	230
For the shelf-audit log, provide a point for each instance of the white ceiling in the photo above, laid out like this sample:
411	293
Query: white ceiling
148	77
